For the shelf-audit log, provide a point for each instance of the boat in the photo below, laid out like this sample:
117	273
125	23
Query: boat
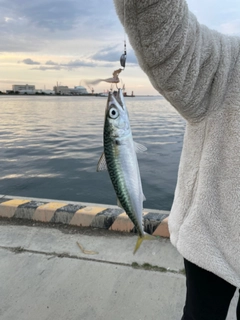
127	95
103	94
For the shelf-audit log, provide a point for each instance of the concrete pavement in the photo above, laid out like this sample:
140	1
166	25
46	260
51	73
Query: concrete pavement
44	275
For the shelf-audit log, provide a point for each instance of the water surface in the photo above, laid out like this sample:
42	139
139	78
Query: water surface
50	146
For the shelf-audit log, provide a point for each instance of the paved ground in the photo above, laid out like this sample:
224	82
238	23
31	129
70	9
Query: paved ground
44	275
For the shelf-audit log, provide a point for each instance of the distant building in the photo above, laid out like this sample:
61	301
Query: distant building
44	91
64	90
80	90
23	89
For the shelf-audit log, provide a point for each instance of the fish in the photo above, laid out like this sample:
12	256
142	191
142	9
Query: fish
120	160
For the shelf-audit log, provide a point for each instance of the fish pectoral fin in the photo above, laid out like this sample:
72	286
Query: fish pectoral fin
140	240
102	165
139	148
119	204
144	198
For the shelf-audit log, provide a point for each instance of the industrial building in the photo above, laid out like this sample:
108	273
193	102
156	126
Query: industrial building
44	91
80	90
64	90
23	88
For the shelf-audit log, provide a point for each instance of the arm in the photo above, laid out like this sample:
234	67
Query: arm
190	65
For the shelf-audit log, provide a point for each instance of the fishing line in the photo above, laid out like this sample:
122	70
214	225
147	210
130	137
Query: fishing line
124	55
115	76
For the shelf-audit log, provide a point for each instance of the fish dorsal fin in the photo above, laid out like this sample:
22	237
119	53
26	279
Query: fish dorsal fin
139	148
102	165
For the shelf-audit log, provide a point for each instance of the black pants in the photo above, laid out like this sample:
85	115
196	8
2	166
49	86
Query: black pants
208	296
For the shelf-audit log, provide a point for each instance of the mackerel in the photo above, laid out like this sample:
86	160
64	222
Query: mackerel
119	158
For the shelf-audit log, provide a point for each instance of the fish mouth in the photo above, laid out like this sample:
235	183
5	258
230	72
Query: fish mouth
116	97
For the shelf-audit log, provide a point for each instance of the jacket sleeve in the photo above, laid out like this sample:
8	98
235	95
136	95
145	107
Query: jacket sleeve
189	64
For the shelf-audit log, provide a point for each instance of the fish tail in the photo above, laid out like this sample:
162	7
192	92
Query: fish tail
140	240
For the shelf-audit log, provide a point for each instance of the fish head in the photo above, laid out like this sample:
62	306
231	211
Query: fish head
116	115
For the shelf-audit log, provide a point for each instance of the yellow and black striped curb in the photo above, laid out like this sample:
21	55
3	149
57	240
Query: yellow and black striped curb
80	214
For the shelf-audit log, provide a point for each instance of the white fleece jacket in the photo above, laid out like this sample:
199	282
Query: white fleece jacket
198	71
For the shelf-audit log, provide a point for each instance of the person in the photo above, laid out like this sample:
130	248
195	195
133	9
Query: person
198	71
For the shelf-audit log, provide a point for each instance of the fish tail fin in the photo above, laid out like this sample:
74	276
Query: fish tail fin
140	240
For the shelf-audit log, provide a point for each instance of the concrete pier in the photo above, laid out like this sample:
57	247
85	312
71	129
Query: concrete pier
81	214
44	274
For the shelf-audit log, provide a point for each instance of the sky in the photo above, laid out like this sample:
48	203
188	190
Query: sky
43	42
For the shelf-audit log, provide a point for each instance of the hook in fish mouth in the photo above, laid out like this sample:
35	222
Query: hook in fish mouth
116	96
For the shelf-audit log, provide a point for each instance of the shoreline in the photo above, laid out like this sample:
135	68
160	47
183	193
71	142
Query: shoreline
82	95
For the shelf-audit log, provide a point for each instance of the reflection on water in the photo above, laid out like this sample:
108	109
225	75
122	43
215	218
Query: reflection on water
50	146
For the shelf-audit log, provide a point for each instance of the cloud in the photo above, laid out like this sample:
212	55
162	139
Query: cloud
51	63
35	25
46	14
131	58
7	19
80	63
19	43
105	57
113	53
43	68
107	54
29	61
53	15
73	64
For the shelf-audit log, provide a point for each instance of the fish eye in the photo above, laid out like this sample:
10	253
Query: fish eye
113	113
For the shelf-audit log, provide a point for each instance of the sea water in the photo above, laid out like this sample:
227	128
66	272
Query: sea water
50	146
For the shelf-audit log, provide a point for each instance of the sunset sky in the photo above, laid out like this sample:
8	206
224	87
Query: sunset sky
45	41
